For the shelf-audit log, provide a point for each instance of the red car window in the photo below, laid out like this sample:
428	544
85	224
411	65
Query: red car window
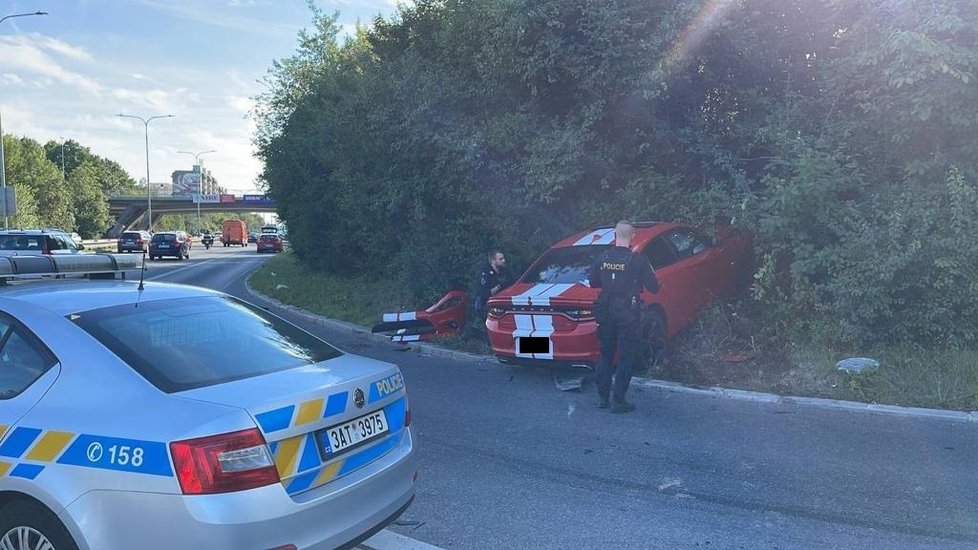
563	265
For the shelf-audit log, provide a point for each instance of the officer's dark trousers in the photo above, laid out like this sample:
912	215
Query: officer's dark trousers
623	336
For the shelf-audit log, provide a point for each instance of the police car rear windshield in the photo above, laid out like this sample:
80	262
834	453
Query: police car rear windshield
563	265
196	342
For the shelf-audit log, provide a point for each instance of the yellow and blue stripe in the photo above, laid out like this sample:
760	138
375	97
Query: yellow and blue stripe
29	450
309	411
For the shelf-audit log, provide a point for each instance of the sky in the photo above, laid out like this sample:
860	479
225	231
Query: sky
66	75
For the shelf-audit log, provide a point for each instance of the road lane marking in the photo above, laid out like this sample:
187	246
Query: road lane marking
389	540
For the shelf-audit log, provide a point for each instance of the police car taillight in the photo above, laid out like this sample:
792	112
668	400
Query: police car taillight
223	463
407	409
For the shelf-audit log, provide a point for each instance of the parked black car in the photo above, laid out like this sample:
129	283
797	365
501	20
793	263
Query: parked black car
169	244
134	241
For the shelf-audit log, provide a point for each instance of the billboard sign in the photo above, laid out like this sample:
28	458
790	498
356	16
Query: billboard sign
227	198
206	199
256	199
185	183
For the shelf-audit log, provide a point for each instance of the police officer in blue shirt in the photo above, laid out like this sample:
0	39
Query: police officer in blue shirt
494	277
621	275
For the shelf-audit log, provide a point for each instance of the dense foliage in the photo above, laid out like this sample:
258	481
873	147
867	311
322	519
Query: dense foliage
842	133
71	195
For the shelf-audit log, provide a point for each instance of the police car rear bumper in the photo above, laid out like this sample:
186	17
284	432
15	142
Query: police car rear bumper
330	516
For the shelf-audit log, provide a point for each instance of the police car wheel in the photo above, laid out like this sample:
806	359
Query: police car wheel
29	525
654	331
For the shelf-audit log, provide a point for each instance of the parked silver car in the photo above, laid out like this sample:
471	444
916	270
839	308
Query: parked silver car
33	242
169	416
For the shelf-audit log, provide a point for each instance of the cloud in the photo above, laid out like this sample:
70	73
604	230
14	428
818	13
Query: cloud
25	54
12	79
221	18
62	48
241	104
154	99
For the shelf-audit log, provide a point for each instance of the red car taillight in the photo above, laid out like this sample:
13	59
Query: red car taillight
223	463
496	312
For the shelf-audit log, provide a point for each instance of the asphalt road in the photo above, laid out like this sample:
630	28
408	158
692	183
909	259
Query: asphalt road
508	461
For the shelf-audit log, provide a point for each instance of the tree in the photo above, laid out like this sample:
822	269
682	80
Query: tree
42	198
463	124
88	200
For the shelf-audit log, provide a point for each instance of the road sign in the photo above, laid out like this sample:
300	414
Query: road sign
207	199
9	201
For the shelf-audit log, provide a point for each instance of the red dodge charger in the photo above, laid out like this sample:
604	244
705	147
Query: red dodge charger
546	316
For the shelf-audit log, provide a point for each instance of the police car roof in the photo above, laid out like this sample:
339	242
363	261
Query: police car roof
71	296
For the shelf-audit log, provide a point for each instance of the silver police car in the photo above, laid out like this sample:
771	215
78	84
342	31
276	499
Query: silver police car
168	416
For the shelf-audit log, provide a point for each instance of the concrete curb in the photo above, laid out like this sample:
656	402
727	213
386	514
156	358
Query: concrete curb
420	348
813	402
651	383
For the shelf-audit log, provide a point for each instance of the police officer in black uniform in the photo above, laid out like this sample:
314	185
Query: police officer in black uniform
493	278
621	275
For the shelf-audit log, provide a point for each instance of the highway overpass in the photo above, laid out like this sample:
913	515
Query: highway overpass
130	212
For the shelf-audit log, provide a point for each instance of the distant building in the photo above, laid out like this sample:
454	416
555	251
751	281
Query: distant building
159	189
163	189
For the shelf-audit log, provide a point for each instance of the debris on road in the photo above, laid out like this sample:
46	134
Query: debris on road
858	365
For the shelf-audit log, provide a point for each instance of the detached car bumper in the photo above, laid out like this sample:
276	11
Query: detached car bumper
329	516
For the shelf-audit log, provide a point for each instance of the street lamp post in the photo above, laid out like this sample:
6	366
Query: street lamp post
63	159
149	186
3	164
200	180
4	18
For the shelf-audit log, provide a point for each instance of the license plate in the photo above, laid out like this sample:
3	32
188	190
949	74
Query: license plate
343	437
163	246
533	344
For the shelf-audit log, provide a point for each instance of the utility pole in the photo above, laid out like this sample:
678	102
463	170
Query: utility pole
200	180
3	165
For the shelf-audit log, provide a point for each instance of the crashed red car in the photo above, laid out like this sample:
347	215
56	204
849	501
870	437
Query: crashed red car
546	317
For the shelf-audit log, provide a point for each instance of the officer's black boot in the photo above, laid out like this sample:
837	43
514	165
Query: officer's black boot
622	406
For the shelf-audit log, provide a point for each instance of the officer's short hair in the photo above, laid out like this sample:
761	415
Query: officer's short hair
624	227
493	252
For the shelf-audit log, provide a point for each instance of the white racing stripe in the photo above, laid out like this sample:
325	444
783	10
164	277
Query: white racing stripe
543	299
598	236
540	295
405	316
534	325
524	298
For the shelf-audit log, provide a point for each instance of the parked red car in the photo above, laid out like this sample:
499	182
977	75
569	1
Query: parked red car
269	242
553	298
